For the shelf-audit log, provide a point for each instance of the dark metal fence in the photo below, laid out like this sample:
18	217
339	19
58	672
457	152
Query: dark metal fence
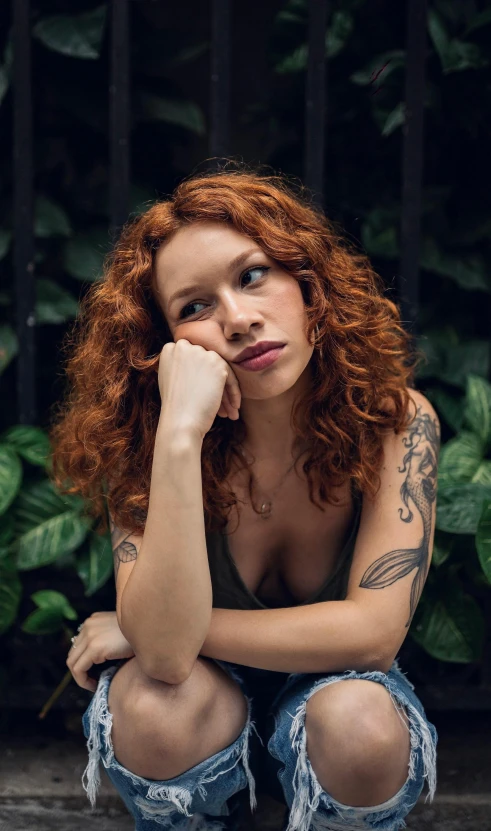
316	110
219	146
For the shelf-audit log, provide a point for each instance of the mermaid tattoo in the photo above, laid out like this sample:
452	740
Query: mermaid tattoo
420	484
123	551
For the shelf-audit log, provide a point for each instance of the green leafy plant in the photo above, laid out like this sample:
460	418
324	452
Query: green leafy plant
54	567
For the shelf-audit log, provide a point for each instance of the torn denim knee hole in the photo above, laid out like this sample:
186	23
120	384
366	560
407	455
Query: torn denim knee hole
305	781
179	797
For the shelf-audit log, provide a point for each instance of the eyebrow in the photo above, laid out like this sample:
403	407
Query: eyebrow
233	264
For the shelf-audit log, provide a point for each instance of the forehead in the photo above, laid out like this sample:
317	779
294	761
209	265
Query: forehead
195	251
206	238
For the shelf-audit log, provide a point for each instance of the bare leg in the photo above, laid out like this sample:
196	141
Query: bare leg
161	730
357	742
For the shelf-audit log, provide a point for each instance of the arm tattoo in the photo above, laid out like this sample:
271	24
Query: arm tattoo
420	484
123	551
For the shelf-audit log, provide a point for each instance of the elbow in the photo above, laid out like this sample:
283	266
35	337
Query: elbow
161	670
379	658
158	667
381	663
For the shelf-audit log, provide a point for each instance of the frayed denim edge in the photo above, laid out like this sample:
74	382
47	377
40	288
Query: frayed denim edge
180	797
302	808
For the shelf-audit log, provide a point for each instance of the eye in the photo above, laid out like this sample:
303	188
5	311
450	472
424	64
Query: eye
183	313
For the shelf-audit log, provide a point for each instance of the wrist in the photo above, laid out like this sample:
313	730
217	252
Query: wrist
177	437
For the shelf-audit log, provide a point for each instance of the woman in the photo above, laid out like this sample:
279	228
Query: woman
286	621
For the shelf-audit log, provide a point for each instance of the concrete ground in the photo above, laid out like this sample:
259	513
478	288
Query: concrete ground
41	790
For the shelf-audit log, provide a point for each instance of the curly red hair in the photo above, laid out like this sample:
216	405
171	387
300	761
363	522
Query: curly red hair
103	433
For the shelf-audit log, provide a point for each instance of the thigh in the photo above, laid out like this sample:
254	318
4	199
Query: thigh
303	792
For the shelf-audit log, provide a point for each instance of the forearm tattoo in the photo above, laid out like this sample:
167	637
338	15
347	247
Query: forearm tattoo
421	463
123	551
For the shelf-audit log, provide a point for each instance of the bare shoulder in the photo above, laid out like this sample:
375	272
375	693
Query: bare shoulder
420	400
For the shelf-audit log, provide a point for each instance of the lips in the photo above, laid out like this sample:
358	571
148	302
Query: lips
256	349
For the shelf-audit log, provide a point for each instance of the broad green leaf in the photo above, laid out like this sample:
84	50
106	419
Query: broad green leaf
10	476
379	233
75	35
459	507
455	54
52	538
337	35
40	500
386	61
54	304
440	554
10	597
30	442
5	238
43	622
469	271
50	219
477	410
455	363
9	345
295	62
338	32
483	473
50	599
95	565
452	629
450	408
183	113
472	357
481	19
7	532
460	458
83	256
483	540
395	119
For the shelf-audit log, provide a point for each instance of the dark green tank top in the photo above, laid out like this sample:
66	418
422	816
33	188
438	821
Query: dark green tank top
230	592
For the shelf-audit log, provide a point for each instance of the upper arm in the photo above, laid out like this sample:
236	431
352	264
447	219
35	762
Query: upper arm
395	538
125	548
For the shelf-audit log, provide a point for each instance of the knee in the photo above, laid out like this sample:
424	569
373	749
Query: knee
355	725
140	699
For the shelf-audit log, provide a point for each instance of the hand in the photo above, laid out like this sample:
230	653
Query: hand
100	639
196	385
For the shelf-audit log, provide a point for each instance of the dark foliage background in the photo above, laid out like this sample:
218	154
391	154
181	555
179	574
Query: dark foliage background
54	570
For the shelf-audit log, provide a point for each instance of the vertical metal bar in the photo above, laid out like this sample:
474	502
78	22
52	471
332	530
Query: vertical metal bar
119	104
315	100
412	163
219	144
24	289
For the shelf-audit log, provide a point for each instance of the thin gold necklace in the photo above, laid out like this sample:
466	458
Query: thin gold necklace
267	505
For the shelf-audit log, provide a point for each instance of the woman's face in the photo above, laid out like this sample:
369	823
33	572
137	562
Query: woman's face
240	297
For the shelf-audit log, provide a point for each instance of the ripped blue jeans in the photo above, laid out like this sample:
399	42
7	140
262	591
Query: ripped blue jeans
280	762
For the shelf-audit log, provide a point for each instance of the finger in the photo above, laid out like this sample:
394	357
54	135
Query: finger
79	645
80	664
233	388
230	410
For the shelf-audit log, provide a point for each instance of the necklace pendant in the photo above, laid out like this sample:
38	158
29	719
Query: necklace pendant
266	510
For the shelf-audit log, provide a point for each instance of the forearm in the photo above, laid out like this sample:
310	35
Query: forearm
320	637
166	604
